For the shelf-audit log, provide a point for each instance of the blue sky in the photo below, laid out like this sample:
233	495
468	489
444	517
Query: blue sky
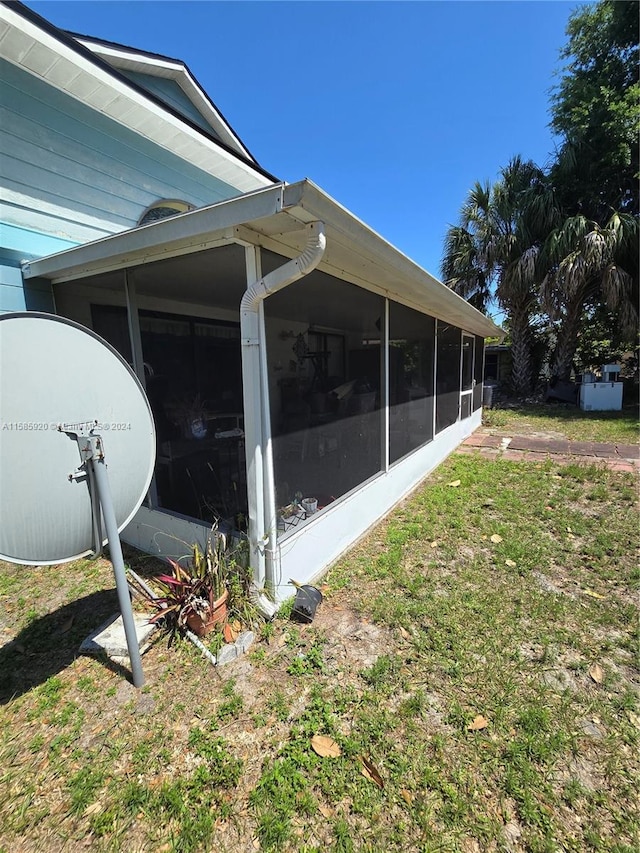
393	108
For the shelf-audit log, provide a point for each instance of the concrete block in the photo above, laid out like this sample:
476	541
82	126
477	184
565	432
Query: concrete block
111	640
244	640
227	654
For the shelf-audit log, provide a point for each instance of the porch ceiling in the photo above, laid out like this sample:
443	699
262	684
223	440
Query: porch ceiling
192	278
273	217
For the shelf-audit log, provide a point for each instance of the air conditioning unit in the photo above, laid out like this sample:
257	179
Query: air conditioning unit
603	396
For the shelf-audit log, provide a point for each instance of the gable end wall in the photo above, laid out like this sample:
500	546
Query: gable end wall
69	175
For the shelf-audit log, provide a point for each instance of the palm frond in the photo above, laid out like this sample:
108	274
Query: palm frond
525	266
462	269
616	285
596	248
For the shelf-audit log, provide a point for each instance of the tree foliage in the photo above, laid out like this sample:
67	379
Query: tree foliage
584	265
492	254
595	110
591	261
562	244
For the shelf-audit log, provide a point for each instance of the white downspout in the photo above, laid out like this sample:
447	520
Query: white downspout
262	510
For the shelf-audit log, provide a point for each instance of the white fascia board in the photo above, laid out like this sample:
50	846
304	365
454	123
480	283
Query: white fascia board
58	64
354	251
167	237
131	60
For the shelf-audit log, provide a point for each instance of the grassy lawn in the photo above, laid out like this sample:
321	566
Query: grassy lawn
564	421
474	665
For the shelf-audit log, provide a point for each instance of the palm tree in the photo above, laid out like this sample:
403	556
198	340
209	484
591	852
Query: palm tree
463	267
493	252
585	263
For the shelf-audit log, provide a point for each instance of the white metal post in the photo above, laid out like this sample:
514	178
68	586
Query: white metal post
253	424
135	339
386	438
133	321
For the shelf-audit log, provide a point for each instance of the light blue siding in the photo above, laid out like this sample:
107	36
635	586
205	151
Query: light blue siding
171	93
61	153
34	296
12	295
69	175
18	244
25	244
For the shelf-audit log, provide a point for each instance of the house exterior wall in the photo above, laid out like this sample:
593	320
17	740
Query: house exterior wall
34	296
171	93
70	175
17	244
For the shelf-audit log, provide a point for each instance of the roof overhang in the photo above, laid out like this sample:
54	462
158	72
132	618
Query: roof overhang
36	46
128	59
274	218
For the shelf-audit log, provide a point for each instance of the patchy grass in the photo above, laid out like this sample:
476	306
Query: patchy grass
564	421
478	651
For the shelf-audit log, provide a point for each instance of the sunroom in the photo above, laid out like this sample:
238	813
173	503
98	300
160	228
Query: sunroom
304	375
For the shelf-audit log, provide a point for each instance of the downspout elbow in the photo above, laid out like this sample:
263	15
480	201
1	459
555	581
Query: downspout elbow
289	272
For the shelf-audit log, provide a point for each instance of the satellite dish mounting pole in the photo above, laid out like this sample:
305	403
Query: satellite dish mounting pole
35	461
92	454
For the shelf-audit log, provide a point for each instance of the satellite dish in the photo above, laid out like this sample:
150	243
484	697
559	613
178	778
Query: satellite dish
55	372
70	408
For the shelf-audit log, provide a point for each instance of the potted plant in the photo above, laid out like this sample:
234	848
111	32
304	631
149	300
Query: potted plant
195	598
291	514
191	415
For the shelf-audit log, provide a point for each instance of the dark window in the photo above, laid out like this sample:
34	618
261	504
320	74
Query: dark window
324	361
411	352
327	351
193	377
491	365
163	209
478	374
449	345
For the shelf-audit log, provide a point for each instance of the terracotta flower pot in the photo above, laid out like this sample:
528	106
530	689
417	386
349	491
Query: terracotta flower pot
217	615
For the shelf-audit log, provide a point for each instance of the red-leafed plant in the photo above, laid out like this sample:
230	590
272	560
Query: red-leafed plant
195	597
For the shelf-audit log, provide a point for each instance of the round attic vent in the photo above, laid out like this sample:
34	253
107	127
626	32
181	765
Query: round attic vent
162	209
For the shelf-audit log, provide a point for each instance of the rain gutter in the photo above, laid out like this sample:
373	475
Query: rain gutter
255	380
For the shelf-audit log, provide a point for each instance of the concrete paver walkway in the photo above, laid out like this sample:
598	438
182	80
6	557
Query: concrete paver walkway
617	457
